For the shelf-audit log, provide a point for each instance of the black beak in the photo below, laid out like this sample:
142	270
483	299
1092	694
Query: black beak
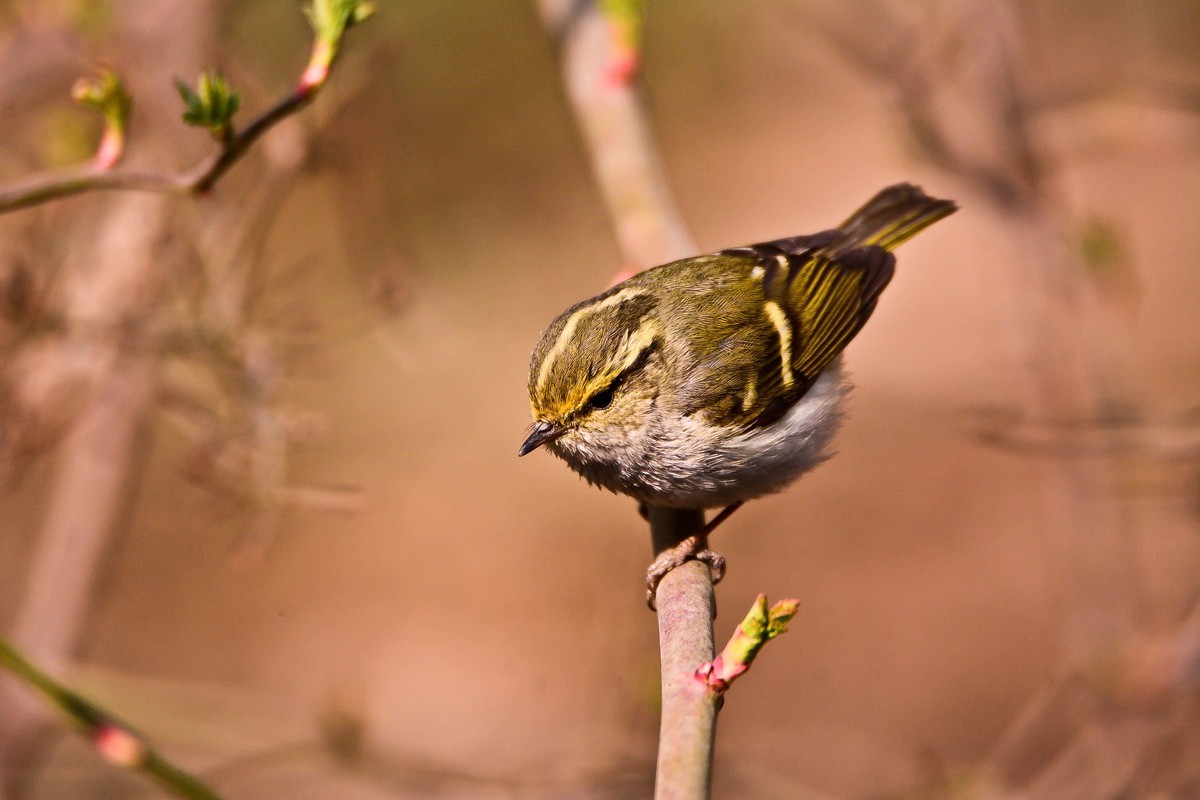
542	432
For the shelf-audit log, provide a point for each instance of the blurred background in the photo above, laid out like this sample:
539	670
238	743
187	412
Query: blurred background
260	492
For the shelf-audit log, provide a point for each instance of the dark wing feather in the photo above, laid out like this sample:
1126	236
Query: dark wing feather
819	290
834	298
824	301
892	217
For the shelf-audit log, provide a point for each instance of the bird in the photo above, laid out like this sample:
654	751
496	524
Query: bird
717	379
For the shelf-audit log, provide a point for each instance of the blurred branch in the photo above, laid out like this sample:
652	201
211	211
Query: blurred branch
1151	92
1065	382
1177	440
107	357
611	117
1126	728
253	449
914	76
114	741
330	20
1087	734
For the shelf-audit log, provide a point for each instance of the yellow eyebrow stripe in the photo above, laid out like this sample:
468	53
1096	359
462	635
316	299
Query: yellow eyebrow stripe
568	331
779	320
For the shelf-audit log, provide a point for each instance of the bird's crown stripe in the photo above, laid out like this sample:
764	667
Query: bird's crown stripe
568	328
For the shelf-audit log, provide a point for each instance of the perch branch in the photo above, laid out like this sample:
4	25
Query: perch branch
649	229
597	43
689	711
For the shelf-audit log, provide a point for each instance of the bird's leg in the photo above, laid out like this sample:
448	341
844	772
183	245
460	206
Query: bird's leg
694	547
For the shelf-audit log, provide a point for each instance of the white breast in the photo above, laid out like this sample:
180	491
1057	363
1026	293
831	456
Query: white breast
684	462
708	470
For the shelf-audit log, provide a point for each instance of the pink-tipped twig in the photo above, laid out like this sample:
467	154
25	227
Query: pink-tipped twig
761	625
114	740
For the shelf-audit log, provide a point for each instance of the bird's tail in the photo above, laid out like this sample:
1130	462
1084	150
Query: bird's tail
892	217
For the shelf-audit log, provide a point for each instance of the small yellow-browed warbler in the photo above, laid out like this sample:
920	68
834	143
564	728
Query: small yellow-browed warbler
715	379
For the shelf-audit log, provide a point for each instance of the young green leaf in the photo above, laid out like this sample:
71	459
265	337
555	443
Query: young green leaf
331	18
106	94
211	105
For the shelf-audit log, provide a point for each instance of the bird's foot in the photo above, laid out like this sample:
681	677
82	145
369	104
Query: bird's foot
693	548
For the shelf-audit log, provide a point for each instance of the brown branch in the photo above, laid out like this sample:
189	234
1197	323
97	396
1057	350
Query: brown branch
608	107
620	144
77	180
1149	92
116	293
689	711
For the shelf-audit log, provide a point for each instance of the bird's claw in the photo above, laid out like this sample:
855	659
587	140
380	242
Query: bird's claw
670	559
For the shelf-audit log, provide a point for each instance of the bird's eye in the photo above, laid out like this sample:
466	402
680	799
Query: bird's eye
601	399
